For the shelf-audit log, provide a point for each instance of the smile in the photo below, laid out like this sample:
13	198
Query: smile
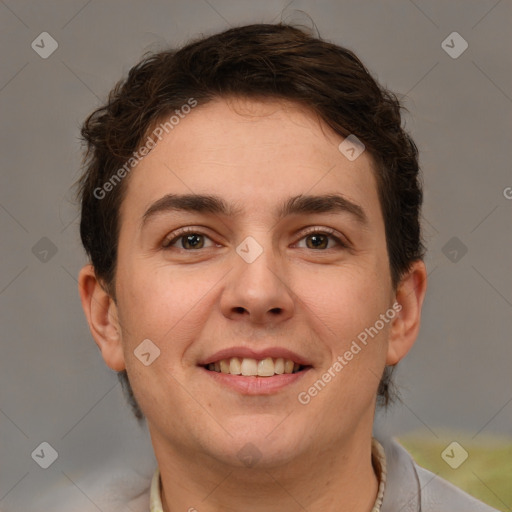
250	367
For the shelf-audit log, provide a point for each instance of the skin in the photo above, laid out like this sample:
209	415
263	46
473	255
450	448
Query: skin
314	301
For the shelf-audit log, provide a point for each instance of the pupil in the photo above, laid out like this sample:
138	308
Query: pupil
192	240
317	240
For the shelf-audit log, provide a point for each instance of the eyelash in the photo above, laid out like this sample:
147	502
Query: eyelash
329	232
168	242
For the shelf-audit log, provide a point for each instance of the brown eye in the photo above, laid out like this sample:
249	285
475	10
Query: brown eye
317	241
194	241
320	240
187	241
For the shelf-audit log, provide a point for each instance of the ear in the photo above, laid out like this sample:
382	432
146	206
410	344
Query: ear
101	313
409	300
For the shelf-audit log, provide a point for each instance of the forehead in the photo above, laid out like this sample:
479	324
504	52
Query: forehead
252	152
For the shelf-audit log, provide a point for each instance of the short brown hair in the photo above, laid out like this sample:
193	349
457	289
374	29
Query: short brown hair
263	60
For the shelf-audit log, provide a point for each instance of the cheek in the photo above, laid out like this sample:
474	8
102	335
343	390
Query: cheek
342	301
161	305
345	307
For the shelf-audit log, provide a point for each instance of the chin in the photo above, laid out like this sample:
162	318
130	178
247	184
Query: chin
258	444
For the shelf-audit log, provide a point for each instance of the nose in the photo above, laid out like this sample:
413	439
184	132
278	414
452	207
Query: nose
257	291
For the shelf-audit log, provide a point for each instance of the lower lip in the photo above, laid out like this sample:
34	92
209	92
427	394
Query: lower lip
256	385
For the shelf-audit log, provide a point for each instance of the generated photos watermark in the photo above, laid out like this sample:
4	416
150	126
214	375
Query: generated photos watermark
137	156
305	397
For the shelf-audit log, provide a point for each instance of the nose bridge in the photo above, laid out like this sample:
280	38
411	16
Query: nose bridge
256	288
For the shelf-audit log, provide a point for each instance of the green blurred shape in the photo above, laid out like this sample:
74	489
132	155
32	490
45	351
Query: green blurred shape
487	472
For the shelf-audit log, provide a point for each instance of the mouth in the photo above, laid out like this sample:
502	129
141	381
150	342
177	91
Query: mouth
254	372
251	367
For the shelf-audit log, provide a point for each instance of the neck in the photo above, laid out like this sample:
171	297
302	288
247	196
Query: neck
340	479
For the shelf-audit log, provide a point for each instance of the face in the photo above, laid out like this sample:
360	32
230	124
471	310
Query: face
282	268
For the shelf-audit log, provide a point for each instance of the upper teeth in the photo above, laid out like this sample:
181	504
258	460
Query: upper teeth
252	367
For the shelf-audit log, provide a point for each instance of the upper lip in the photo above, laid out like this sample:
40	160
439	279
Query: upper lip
245	352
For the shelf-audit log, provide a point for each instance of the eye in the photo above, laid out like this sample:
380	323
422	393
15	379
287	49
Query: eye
187	239
320	238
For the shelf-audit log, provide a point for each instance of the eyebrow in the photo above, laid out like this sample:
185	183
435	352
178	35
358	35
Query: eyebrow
297	205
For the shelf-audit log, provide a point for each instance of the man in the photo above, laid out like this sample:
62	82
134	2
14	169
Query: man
250	206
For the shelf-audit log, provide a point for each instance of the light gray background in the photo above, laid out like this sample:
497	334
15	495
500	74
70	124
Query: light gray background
54	386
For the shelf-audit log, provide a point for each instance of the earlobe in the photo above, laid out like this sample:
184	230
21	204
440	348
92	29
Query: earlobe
101	313
409	296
